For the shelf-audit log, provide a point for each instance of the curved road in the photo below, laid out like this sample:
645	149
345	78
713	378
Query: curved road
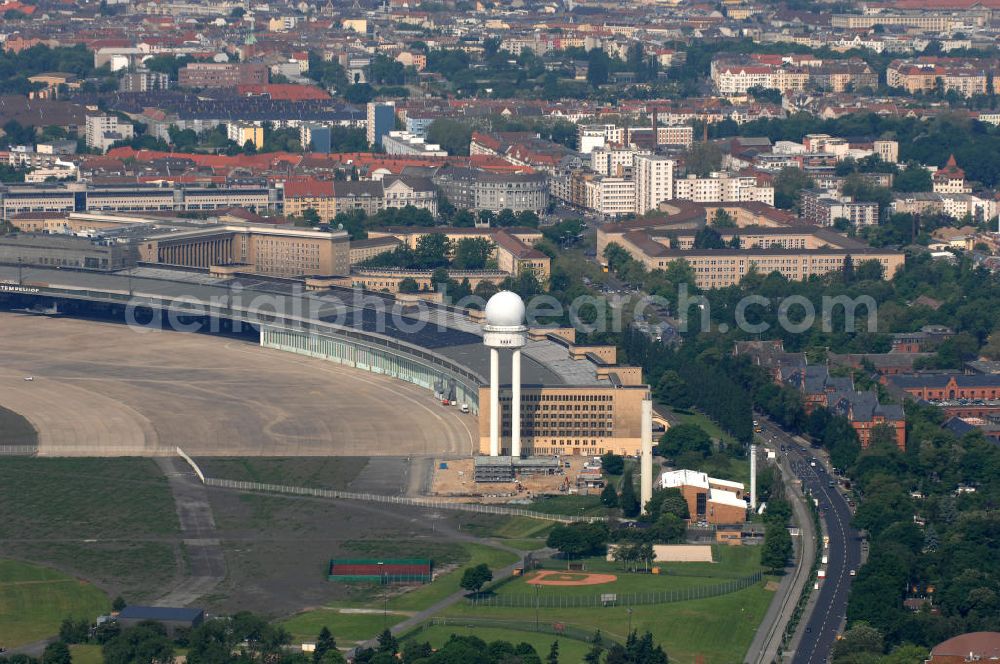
827	608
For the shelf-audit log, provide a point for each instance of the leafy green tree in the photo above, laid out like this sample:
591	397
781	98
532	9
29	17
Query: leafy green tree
451	135
598	67
56	652
146	642
324	643
913	178
387	643
628	500
74	631
553	656
708	238
777	548
579	539
703	158
472	253
684	438
432	251
860	638
474	578
788	185
722	219
359	93
408	285
609	497
612	464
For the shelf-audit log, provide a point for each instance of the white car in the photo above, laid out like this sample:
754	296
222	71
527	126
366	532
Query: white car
29	378
854	572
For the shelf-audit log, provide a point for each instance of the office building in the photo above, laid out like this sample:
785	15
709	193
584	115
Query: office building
222	75
381	120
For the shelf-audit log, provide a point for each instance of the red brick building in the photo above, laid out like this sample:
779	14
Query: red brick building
949	387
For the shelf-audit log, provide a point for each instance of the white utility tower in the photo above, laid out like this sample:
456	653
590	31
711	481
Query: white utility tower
505	328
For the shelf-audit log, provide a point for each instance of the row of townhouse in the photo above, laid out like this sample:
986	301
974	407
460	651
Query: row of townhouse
330	197
736	76
967	77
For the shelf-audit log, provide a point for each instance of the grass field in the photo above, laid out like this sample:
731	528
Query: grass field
345	626
569	650
702	420
86	654
34	601
731	563
569	505
359	627
719	629
108	520
312	472
15	429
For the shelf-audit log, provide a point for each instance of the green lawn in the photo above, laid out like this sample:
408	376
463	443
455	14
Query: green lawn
84	498
108	520
86	654
34	601
569	505
15	429
353	627
447	584
702	420
731	563
359	627
312	472
719	629
570	650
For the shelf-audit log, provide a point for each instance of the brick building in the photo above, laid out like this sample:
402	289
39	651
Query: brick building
709	499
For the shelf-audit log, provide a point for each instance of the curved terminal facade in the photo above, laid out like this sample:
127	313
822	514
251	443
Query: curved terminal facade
576	399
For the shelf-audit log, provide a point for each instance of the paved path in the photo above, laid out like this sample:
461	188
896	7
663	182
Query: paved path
458	596
206	563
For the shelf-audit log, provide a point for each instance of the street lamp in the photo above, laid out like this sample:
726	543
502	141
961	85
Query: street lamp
385	595
537	588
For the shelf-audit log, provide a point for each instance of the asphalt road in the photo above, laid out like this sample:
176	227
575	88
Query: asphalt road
829	607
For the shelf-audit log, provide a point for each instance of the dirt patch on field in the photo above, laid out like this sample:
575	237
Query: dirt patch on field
554	578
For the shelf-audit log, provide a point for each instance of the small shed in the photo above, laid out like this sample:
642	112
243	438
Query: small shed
172	618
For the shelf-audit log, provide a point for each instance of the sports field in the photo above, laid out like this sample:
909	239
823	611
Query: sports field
733	563
34	601
361	620
719	629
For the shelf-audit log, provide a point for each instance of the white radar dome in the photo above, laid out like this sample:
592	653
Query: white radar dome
505	309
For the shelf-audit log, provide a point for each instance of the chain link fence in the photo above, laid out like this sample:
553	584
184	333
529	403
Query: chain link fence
430	503
18	450
553	601
542	627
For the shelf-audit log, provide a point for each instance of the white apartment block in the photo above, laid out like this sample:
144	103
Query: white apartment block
608	160
611	196
723	188
597	136
958	206
654	181
735	80
104	130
